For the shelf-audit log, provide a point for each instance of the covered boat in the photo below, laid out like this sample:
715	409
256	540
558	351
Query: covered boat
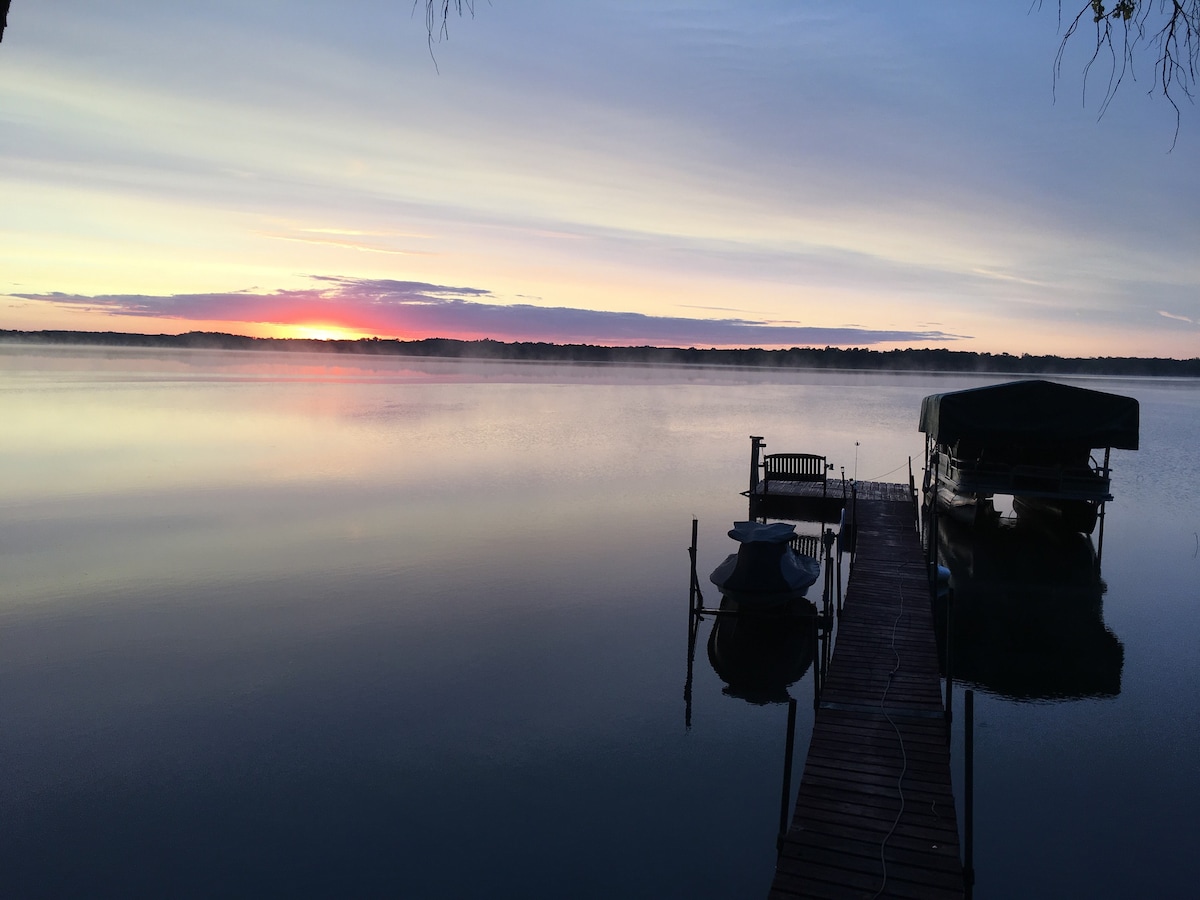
1032	440
766	571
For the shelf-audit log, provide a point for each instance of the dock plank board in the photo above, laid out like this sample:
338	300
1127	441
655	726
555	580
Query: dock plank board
875	812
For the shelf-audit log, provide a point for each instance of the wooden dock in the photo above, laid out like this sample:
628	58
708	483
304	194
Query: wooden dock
875	813
835	489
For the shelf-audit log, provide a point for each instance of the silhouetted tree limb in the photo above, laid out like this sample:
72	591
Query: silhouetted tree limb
437	15
437	18
1170	28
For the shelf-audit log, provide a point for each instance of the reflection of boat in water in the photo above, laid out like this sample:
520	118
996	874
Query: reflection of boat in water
760	656
1027	614
1058	513
966	507
1028	439
765	572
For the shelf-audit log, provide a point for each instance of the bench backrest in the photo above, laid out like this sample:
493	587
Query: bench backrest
794	467
807	544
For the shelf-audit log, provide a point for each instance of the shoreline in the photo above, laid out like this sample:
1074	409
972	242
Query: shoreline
912	361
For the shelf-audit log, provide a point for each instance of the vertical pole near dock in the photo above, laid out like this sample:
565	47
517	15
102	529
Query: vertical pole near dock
969	799
818	658
1103	506
756	445
693	605
694	585
949	656
912	492
854	524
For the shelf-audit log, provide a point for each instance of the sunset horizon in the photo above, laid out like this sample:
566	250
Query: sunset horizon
600	174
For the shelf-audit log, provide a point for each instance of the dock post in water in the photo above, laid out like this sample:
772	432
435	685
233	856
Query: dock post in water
695	600
756	445
949	658
969	795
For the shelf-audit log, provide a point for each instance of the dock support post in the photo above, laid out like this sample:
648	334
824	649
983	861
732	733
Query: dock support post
789	751
694	603
1103	506
818	657
756	445
912	492
969	798
839	579
931	527
694	586
854	523
949	659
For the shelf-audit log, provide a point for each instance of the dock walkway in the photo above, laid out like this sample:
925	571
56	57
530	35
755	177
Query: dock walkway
875	813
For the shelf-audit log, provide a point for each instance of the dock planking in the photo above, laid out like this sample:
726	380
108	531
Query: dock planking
875	813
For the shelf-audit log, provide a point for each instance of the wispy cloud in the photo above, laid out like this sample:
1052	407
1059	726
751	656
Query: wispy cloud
1177	318
413	309
349	240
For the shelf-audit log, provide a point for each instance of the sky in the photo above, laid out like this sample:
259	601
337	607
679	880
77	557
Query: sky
708	173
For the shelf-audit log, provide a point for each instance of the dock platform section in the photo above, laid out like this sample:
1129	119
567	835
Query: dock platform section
875	814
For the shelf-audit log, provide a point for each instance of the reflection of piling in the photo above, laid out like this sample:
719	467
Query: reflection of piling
786	794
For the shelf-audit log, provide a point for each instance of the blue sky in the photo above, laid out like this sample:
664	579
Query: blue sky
610	171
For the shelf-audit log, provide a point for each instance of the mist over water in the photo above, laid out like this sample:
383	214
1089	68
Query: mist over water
313	626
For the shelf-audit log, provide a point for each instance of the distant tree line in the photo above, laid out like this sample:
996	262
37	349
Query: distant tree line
858	358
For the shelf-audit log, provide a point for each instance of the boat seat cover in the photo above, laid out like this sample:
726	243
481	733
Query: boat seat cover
761	567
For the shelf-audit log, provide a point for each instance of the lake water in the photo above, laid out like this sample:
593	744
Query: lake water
305	625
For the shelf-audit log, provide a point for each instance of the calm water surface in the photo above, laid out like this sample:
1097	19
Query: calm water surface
313	626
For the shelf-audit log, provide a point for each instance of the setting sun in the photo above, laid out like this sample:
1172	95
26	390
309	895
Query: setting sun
318	333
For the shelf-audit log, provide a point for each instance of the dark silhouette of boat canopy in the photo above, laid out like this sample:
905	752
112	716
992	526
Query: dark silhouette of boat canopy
1031	414
1032	440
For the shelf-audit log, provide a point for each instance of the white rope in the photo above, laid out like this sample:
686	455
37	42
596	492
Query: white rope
903	753
902	465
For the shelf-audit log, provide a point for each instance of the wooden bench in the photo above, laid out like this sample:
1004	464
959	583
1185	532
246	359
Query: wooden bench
795	467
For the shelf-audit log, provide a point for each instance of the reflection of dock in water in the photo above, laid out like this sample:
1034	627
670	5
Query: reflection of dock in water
1027	620
879	733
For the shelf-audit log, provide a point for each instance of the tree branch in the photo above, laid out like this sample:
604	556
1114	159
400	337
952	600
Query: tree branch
1171	28
437	15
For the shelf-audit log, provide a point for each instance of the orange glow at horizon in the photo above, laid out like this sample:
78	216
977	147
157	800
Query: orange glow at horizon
315	332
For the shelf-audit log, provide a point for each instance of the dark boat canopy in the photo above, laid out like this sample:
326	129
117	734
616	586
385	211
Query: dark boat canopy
1031	414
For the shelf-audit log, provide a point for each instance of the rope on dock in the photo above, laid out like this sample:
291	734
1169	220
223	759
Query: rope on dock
903	753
